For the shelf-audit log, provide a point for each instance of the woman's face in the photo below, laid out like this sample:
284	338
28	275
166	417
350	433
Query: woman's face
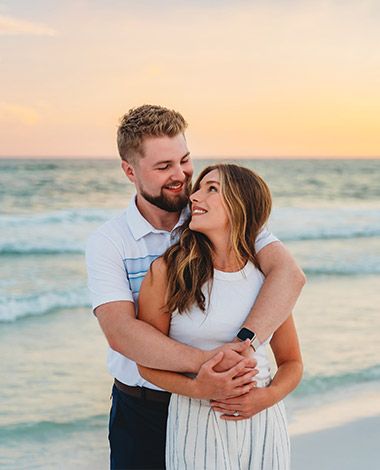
208	211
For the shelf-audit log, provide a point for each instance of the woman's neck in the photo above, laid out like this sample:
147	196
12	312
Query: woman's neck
226	260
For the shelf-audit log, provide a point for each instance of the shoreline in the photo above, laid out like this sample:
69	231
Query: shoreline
333	409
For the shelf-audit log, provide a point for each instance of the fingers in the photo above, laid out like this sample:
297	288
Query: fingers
251	362
228	416
224	411
234	402
233	418
245	379
211	363
243	390
234	371
223	408
240	346
247	369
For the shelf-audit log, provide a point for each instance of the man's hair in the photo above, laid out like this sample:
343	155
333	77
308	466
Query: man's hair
146	121
190	261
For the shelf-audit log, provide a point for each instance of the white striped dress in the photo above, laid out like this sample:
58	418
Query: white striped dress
197	439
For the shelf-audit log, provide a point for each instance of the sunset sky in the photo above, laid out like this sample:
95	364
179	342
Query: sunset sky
252	78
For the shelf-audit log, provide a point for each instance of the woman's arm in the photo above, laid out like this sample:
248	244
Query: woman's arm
287	353
283	283
208	383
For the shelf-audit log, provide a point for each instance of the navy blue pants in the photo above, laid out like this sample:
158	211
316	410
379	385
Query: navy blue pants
137	432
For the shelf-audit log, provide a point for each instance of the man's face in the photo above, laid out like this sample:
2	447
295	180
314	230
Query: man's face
163	175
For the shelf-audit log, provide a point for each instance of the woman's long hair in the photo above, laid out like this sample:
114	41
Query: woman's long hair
189	262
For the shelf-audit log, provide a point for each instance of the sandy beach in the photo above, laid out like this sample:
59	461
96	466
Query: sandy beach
342	433
352	446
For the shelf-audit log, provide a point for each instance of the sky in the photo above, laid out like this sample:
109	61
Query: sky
258	78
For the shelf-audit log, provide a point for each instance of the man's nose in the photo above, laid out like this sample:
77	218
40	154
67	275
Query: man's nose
178	174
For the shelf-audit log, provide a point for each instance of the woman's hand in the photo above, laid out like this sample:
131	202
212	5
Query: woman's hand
256	400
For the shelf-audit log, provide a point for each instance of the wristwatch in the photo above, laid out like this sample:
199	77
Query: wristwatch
245	333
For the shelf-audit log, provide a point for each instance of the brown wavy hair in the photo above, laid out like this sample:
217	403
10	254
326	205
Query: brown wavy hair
189	261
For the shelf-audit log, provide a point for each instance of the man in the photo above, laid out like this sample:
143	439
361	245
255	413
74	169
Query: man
155	158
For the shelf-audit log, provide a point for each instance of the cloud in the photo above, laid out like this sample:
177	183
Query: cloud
15	26
14	113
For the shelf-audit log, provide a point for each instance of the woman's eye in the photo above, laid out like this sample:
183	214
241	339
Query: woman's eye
213	189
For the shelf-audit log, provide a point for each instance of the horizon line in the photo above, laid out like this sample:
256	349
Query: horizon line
198	157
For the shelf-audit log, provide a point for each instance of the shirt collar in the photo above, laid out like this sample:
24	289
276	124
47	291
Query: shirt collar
140	226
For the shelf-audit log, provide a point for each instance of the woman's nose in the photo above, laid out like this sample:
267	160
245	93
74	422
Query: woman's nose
194	197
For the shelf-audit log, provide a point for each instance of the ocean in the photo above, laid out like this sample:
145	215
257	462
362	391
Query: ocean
54	399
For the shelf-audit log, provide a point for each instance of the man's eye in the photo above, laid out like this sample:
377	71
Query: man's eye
185	160
163	167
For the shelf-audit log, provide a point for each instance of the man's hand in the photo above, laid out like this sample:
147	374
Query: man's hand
233	353
247	405
237	381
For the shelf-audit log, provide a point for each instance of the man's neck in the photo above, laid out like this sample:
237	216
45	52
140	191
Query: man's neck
158	218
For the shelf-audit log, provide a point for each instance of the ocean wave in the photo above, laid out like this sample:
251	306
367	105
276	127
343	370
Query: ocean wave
288	223
9	249
341	271
326	234
313	385
35	245
59	217
42	430
14	308
297	224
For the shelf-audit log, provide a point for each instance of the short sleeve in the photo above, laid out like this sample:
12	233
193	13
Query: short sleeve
107	276
263	239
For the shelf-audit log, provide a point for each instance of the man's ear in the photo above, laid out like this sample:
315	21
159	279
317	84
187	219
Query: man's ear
128	170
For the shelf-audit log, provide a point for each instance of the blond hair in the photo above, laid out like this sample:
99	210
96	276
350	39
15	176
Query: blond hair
190	266
146	121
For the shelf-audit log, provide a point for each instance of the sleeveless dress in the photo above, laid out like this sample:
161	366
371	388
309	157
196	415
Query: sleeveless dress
197	439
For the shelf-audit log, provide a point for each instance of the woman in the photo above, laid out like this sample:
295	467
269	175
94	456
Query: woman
200	292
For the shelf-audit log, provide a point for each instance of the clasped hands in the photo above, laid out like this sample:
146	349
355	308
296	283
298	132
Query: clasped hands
227	379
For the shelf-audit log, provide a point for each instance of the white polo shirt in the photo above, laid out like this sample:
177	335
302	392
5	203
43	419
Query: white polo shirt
118	255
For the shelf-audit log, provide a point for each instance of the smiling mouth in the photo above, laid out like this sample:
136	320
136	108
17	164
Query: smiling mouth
175	187
198	212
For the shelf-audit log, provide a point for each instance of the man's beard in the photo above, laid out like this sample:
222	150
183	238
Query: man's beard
166	203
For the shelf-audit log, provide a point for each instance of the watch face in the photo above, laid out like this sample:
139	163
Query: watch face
245	333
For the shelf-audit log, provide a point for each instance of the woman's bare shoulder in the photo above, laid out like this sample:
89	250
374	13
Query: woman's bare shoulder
158	271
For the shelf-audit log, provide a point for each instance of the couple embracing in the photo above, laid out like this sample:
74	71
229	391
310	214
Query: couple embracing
190	288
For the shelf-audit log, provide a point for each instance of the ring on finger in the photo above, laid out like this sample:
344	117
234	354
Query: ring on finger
235	413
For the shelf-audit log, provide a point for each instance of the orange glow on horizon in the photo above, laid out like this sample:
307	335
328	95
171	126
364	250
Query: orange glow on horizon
296	79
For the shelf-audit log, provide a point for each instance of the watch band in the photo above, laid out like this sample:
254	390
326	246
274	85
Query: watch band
245	333
255	343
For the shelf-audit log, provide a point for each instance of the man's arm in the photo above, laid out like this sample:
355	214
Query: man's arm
208	384
147	346
142	342
115	310
283	284
114	307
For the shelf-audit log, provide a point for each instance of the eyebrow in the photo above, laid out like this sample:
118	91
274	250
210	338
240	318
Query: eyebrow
170	161
210	182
